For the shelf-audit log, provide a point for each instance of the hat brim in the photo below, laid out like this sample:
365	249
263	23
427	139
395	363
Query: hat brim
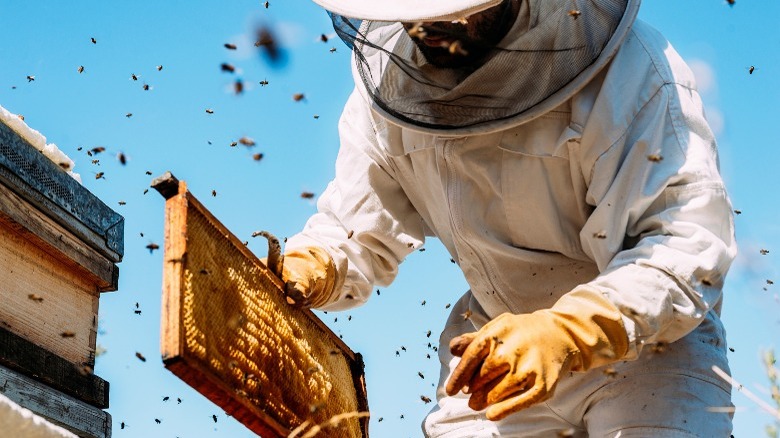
409	11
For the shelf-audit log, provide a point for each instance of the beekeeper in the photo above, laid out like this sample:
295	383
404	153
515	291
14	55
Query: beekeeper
559	150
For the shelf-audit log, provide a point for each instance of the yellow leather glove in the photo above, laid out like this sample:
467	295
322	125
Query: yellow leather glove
515	361
310	276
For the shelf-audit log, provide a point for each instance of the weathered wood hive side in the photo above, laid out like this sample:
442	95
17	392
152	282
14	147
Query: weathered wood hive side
228	332
59	245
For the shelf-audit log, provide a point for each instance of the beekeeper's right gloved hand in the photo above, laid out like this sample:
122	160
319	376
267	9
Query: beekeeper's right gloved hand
310	276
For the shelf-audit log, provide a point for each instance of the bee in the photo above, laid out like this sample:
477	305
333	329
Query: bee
30	78
763	251
403	348
157	420
660	347
567	433
428	335
35	298
149	172
575	13
122	425
425	400
380	419
94	41
159	67
140	356
146	87
324	38
68	334
600	234
332	50
447	306
655	158
266	4
246	141
467	314
307	195
96	150
122	203
146	191
209	111
751	69
230	46
21	117
402	416
267	42
298	97
227	68
137	311
456	48
419	373
316	116
397	353
128	115
264	82
214	193
706	281
214	417
427	356
178	400
99	175
350	234
737	211
770	282
152	246
731	2
452	261
122	158
610	372
421	250
233	144
378	293
238	86
422	303
81	69
133	76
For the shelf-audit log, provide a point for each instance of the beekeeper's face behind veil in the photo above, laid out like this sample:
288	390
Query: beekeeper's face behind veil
474	66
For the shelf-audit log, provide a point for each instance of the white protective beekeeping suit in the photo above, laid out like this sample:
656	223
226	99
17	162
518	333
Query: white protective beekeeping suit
607	182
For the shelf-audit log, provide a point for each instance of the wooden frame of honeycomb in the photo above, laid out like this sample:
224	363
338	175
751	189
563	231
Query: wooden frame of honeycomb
228	332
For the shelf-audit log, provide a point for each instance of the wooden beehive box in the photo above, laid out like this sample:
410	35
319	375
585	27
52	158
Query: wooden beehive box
59	245
228	332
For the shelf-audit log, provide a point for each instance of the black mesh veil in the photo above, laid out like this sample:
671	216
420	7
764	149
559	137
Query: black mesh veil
553	49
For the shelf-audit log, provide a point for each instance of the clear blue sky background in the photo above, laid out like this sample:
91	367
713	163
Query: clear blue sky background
170	130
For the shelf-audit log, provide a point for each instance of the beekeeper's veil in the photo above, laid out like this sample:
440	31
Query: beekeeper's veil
550	52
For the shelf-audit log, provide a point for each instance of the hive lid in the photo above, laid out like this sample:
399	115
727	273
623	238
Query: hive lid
42	183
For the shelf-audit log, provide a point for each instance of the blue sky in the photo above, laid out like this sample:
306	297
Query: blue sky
170	130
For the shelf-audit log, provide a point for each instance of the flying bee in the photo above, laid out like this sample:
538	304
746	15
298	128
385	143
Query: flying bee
133	76
81	69
298	97
128	115
238	86
737	211
157	420
770	282
422	303
227	68
731	2
763	251
233	144
165	398
96	150
94	41
266	4
122	203
456	48
447	306
307	195
122	158
148	172
466	314
68	334
159	67
21	117
209	111
350	234
610	372
140	356
425	399
428	335
246	141
575	13
30	78
417	30
214	193
146	87
35	298
332	50
214	417
230	46
751	69
152	247
99	175
264	82
419	373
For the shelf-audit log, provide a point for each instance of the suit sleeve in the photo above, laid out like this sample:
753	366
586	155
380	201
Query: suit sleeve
364	219
662	230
